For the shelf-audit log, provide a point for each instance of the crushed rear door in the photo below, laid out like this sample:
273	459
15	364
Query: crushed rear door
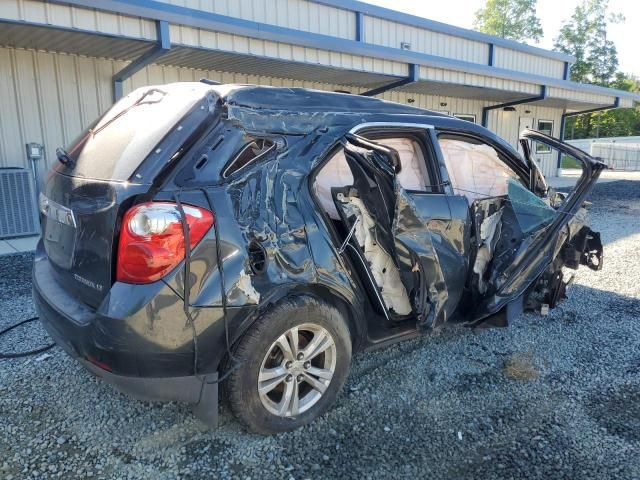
415	243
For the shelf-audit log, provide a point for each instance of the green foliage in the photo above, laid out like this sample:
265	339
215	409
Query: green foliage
620	122
584	36
569	162
512	19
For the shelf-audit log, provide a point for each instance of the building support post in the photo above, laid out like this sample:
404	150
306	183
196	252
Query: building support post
162	46
359	26
485	110
566	115
414	76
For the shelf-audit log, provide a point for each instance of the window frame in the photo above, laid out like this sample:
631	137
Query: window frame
460	116
541	148
420	133
225	172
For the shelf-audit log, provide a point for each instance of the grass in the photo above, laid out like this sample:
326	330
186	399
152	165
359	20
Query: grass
569	162
520	366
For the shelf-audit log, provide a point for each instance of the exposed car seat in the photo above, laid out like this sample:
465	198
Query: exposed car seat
336	173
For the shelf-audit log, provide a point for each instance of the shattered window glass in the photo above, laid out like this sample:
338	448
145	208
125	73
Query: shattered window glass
531	211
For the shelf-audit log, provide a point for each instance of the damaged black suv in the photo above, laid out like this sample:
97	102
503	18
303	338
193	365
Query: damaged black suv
255	237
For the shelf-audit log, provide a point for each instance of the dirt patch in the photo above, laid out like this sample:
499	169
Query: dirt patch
521	366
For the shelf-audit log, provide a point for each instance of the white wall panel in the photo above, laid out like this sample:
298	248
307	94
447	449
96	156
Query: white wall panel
390	34
451	105
296	14
528	63
64	16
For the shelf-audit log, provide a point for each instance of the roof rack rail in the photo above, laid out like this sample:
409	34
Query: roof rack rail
209	82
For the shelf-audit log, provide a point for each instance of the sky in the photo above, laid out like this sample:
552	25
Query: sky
552	13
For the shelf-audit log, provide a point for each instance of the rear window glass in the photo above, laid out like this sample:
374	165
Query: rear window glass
250	153
115	146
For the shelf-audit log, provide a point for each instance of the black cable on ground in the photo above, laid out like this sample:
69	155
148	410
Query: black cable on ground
23	354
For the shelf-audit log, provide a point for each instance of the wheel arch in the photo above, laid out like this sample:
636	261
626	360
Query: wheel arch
354	317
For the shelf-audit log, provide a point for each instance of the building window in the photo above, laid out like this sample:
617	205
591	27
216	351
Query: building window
466	116
546	127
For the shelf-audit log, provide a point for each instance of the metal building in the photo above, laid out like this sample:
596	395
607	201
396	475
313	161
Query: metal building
62	63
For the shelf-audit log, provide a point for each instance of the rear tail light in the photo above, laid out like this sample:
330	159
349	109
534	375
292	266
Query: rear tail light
152	239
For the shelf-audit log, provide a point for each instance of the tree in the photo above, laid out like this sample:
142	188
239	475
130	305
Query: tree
512	19
584	36
619	122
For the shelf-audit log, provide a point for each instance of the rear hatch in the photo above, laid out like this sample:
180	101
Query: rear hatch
99	175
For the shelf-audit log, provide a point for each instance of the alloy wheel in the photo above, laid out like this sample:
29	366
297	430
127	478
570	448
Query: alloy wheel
297	370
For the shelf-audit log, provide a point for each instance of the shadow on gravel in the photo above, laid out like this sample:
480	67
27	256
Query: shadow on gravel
617	409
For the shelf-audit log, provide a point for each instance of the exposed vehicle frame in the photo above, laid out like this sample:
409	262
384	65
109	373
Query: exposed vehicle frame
250	156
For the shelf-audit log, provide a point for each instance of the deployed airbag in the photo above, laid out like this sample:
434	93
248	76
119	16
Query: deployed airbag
475	170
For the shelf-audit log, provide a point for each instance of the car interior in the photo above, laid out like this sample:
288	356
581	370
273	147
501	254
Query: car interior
477	171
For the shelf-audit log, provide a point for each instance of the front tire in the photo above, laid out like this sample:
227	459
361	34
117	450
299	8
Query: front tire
293	362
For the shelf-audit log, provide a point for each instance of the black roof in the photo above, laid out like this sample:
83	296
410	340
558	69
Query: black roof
300	111
307	100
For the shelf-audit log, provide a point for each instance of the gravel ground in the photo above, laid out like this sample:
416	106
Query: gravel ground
439	407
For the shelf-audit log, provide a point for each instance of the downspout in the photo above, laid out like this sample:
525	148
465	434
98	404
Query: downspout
414	76
565	115
162	46
485	110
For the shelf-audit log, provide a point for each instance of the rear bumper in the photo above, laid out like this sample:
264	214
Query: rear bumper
187	389
110	349
180	389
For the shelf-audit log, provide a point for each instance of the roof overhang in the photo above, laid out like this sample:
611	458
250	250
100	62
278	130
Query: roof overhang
205	59
470	92
97	44
175	14
79	42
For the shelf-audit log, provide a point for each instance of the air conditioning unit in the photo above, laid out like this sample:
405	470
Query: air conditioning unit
18	207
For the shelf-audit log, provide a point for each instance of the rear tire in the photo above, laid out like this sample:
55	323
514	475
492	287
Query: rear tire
299	348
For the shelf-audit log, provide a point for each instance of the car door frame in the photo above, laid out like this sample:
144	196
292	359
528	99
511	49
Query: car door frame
442	185
531	261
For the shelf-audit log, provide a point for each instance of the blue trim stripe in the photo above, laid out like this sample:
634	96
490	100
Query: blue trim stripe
485	110
162	46
359	27
174	14
412	20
